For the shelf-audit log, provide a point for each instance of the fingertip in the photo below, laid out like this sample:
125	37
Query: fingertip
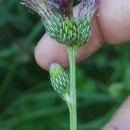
48	49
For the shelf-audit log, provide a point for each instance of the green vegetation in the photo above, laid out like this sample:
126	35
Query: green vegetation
27	99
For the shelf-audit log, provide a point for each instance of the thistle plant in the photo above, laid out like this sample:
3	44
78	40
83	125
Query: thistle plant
57	17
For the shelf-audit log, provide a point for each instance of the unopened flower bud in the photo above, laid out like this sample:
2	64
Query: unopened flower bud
59	79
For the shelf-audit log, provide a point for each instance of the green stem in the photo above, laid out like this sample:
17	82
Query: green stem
72	105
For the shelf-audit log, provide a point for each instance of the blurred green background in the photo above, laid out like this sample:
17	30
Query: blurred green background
27	100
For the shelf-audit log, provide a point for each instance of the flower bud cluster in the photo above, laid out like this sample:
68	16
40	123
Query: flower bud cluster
57	17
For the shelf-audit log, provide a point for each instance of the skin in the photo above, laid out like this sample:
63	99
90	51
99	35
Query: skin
111	25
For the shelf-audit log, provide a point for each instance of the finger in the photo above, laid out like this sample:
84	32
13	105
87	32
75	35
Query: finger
112	26
121	120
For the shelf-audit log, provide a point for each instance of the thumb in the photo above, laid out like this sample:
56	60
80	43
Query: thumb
121	119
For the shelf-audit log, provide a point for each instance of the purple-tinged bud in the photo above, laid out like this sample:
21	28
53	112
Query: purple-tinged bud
59	79
88	8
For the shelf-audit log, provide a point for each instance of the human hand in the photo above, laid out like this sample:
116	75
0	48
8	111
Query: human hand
111	25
